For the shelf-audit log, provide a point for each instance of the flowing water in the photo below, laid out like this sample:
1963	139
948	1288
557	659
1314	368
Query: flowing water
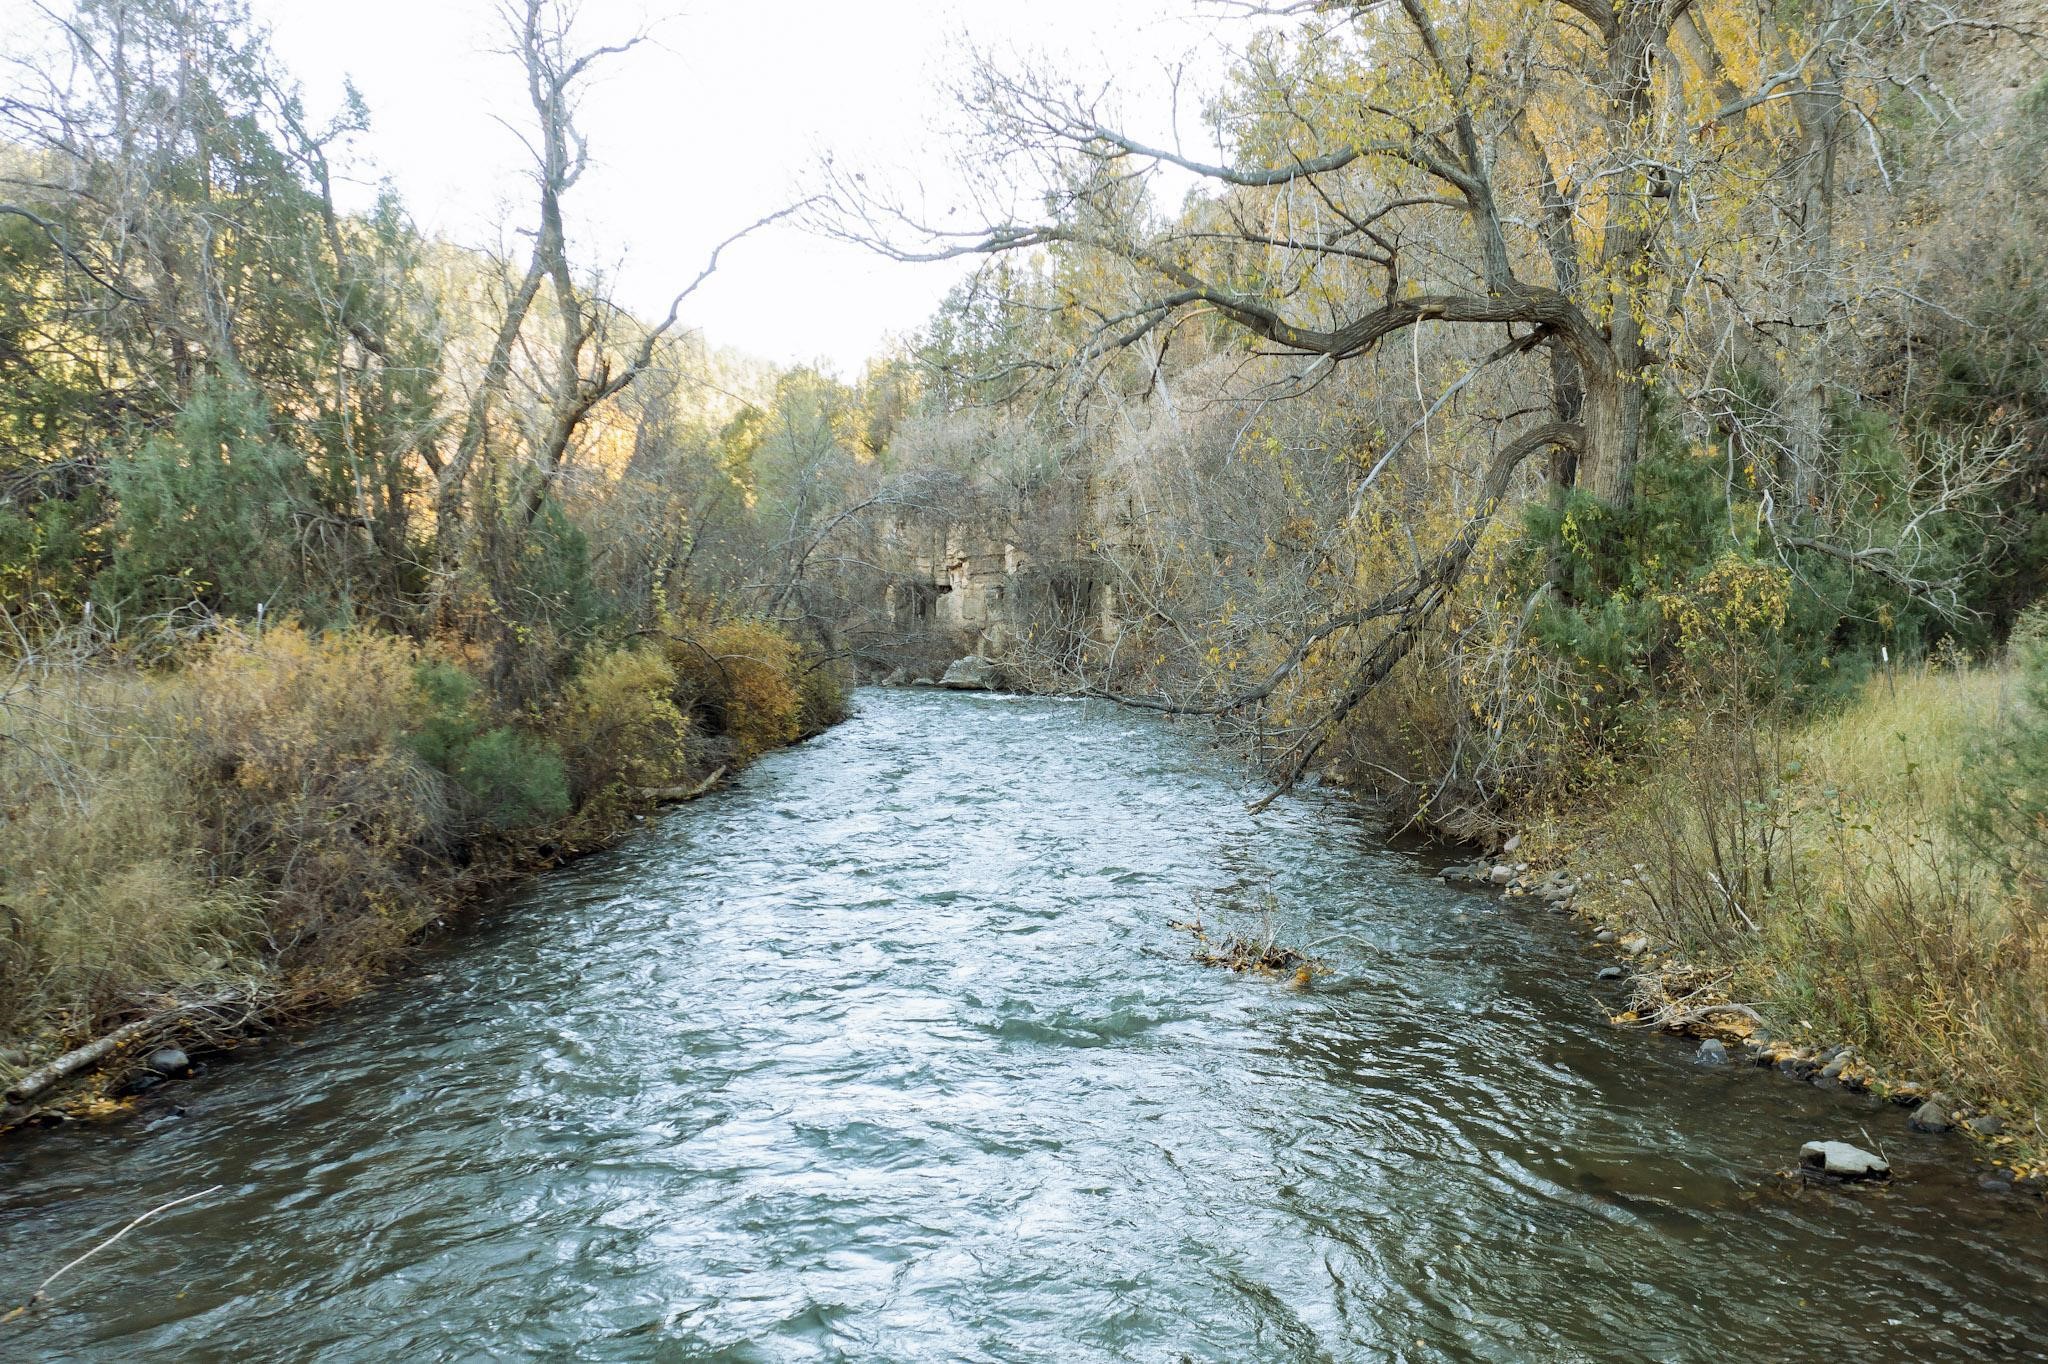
891	1053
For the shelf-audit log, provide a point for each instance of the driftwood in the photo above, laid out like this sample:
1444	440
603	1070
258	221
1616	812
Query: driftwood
43	1288
39	1081
1701	1015
676	795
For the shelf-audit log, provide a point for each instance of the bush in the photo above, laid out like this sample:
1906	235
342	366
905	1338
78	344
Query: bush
106	890
296	750
503	780
822	694
739	679
619	732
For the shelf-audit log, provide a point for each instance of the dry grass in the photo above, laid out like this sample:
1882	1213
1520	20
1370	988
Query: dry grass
1821	867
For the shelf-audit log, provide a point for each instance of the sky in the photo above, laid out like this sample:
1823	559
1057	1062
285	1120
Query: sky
721	119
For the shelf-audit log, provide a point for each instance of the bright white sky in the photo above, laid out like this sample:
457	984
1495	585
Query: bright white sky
718	122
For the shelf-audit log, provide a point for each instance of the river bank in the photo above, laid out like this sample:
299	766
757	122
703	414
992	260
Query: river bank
888	1049
1810	894
206	850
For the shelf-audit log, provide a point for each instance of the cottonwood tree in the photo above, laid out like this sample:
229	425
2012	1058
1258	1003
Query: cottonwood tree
1583	178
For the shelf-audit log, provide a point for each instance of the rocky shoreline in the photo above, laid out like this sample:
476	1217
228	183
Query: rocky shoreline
1665	993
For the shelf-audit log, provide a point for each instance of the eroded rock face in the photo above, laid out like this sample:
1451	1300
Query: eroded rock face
1843	1161
971	674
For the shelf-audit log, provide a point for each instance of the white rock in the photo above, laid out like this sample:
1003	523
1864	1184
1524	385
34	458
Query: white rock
1842	1160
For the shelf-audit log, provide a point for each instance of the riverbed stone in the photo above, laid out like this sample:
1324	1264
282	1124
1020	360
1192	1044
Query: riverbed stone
1843	1161
1501	874
1712	1052
1635	945
168	1061
1995	1184
1605	935
1929	1117
1611	973
970	674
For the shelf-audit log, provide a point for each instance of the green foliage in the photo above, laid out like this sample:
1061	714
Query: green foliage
507	780
212	511
2003	812
513	780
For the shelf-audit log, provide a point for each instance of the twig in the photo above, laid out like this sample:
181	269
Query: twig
43	1288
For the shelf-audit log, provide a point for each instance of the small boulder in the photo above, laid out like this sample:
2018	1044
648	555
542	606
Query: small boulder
1512	844
1843	1161
1635	945
1605	935
1987	1124
1611	973
1929	1117
1712	1052
1501	874
168	1061
970	674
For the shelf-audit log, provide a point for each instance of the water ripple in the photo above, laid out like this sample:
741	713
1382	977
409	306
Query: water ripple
889	1053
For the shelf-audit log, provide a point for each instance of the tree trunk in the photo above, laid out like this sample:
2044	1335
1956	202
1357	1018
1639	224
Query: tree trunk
1613	422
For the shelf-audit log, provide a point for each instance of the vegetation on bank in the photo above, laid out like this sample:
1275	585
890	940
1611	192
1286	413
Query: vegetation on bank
1522	449
343	573
272	819
1869	876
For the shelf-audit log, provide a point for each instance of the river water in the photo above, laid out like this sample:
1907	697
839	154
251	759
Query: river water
890	1052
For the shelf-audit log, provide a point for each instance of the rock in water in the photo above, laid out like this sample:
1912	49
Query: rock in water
1929	1117
970	674
1611	973
1501	875
1712	1052
1843	1161
168	1061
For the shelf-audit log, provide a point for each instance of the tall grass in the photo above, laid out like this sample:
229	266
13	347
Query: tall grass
1825	865
278	813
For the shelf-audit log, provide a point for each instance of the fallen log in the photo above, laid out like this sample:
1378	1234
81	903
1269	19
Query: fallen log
39	1081
676	795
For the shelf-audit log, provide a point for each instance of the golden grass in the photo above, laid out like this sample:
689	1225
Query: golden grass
1819	867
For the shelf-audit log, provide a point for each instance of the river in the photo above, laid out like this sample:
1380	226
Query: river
890	1052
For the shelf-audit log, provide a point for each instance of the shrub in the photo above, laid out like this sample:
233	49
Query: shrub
619	731
821	689
738	679
296	751
2003	810
503	780
106	890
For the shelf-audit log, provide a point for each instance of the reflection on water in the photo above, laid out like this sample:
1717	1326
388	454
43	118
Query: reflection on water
890	1053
